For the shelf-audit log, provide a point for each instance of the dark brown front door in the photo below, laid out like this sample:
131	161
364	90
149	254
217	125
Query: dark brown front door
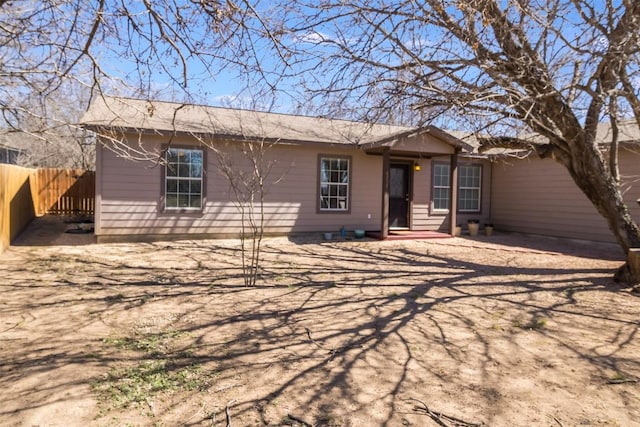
399	195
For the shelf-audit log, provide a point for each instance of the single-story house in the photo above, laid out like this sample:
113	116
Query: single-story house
159	174
9	150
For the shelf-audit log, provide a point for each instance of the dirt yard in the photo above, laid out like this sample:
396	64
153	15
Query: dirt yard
505	330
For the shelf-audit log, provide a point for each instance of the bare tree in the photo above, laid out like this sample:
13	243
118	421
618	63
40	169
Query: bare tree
247	170
49	135
553	68
161	49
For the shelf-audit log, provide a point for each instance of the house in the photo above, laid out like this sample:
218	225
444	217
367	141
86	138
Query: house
9	150
158	173
329	173
537	196
52	148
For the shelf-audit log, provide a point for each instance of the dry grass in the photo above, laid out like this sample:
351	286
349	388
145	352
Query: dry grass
505	331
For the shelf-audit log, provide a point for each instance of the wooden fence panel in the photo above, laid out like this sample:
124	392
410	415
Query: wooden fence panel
17	204
25	193
66	192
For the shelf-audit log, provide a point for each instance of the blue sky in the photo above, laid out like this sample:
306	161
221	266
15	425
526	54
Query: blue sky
227	85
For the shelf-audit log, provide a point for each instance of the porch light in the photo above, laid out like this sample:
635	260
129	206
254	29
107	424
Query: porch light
638	201
418	168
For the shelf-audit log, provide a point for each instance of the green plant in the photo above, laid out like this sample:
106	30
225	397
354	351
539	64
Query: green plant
161	371
618	376
534	324
148	343
123	387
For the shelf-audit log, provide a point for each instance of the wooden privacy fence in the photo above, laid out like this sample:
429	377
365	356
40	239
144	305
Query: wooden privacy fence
26	193
16	202
66	192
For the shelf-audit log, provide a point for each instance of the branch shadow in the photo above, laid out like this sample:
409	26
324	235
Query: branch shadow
334	334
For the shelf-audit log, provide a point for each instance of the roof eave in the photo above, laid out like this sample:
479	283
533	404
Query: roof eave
100	129
392	140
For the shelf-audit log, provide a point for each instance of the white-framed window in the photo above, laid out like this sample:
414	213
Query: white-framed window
441	188
469	184
334	184
469	187
183	179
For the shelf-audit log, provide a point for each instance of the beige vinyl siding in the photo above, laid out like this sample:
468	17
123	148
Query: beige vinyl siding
423	143
484	215
425	218
630	174
539	197
130	195
421	217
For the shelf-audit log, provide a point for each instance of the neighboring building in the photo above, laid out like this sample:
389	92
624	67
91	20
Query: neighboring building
156	175
55	149
9	152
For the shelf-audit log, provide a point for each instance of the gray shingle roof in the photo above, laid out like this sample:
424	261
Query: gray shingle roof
170	117
19	140
162	117
628	133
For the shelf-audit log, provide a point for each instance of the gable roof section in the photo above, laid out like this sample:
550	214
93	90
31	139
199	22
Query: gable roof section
138	115
393	140
628	132
15	140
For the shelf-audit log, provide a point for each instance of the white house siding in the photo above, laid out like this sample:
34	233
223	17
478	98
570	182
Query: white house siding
128	196
538	196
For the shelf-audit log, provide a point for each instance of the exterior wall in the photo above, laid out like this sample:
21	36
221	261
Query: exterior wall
9	155
128	195
424	143
423	216
539	197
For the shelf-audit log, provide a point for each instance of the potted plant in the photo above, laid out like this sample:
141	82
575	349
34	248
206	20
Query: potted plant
458	230
488	228
473	225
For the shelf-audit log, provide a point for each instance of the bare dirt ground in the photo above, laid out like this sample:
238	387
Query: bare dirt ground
505	330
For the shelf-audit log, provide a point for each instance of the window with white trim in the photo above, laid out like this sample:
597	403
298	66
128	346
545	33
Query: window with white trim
441	187
469	187
469	181
183	186
334	177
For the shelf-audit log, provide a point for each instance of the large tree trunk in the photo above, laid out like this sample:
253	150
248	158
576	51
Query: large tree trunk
589	171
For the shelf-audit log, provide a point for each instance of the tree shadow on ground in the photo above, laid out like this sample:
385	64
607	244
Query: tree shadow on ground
334	334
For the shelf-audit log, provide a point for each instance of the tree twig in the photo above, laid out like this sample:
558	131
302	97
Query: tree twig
228	413
332	352
226	387
622	380
299	420
442	419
